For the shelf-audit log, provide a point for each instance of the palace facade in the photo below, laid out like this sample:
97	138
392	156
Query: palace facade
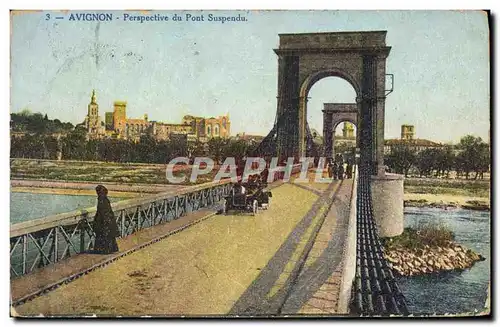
117	125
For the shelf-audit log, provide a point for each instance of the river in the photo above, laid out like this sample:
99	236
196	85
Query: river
29	206
451	292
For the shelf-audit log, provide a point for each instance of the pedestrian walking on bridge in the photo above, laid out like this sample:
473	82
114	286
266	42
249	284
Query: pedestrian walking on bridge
105	227
341	171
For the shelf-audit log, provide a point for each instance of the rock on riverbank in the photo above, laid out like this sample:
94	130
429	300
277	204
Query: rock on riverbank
426	260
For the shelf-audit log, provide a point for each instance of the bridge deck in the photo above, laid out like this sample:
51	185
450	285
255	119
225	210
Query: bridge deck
212	267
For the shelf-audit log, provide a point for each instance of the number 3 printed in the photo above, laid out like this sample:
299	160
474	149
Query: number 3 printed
47	16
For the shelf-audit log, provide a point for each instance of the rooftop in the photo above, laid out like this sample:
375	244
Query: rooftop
414	142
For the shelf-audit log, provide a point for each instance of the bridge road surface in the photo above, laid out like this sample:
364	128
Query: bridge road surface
202	270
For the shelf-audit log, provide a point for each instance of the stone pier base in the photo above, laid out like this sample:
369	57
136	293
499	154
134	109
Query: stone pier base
387	198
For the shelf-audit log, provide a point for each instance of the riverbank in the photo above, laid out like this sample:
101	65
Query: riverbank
98	172
447	193
122	190
446	201
458	187
66	191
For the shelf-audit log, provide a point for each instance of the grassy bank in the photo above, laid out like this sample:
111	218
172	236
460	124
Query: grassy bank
420	237
87	171
456	187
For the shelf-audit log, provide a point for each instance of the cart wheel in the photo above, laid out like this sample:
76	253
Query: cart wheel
255	207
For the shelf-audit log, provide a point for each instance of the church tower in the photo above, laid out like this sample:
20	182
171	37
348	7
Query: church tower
93	121
348	130
407	132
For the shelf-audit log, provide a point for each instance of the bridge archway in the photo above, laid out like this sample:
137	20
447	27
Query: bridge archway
333	115
357	57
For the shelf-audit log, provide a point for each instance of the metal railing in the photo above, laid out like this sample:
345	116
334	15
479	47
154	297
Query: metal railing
375	289
41	242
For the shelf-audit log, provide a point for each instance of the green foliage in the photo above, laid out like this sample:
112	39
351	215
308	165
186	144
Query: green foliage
474	156
439	161
430	234
460	187
196	149
75	146
216	148
470	155
401	159
28	122
235	148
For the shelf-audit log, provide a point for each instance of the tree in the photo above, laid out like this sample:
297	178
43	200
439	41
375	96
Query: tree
445	160
215	148
401	159
426	161
195	149
473	156
50	147
74	144
236	149
483	162
146	149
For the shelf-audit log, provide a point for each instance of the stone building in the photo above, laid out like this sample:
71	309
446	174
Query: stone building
348	131
108	120
120	118
408	139
249	138
135	128
347	139
407	132
117	125
164	131
93	123
207	128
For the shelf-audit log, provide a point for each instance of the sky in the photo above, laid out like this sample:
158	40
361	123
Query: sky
440	62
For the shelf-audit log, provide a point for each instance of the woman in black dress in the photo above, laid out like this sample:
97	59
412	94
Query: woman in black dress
105	227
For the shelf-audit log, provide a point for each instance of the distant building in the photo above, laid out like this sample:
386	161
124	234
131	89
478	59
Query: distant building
164	131
248	138
108	121
408	139
117	125
207	128
93	123
348	137
407	132
348	131
120	118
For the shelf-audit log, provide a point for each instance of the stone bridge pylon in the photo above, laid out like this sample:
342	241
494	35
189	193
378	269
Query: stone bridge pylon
304	59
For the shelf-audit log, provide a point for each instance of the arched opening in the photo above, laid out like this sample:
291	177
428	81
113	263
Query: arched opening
209	131
216	130
327	90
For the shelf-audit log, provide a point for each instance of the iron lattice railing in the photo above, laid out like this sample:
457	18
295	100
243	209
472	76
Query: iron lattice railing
375	290
41	242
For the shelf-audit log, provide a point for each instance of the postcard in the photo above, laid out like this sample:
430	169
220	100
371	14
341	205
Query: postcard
250	163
